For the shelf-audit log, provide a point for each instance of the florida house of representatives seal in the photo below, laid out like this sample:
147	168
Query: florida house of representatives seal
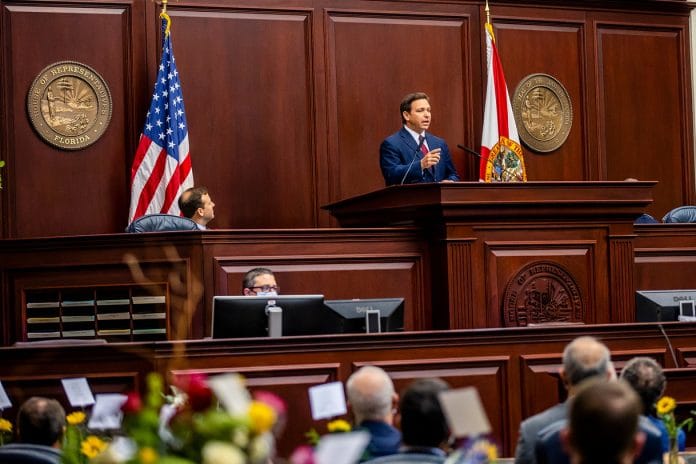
69	105
543	112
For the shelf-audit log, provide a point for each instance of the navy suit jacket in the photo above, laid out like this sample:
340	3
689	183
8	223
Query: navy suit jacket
396	158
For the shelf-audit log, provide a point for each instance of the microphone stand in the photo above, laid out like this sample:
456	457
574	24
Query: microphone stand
415	155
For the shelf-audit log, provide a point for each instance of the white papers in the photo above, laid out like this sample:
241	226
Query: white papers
464	412
327	400
230	390
78	392
341	448
106	413
4	399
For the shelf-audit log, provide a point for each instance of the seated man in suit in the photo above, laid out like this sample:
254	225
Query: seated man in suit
195	204
259	281
40	425
603	424
423	425
583	358
373	401
411	155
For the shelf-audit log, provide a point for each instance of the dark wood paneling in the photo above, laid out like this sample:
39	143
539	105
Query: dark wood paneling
632	144
55	192
515	370
549	42
247	80
665	257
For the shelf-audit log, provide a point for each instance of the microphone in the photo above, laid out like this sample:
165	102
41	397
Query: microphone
669	344
415	155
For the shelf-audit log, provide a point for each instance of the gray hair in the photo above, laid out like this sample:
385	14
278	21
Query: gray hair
585	357
370	393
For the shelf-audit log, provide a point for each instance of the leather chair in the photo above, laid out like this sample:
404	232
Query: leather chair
407	458
681	214
161	223
646	219
549	449
26	453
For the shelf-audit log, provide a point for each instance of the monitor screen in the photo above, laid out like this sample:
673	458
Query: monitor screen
245	316
353	313
662	305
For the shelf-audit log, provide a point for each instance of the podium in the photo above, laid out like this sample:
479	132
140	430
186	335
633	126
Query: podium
516	254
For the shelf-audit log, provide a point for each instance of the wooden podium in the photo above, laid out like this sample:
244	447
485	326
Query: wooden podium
505	255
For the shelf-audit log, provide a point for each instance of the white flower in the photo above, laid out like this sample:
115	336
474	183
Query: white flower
240	437
260	448
219	452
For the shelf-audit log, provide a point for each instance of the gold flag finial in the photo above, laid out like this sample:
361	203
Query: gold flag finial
165	16
487	10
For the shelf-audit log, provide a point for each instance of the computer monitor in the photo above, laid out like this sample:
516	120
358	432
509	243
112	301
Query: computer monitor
663	305
246	316
370	315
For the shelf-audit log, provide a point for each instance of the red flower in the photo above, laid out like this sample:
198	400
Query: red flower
133	403
272	400
196	388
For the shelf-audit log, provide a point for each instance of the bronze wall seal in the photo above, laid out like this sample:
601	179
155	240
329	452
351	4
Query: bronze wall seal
542	292
69	105
543	112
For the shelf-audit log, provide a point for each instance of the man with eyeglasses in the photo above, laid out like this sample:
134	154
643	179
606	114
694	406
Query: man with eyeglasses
259	281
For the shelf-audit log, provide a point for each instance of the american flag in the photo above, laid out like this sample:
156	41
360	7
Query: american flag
162	166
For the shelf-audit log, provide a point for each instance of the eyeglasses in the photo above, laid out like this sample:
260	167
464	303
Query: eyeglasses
267	288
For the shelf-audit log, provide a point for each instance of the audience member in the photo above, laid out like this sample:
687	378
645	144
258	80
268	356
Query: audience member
373	402
40	426
583	358
259	281
603	424
647	379
412	155
423	425
195	204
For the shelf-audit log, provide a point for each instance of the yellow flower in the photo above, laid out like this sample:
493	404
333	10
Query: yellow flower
666	405
5	425
92	446
148	455
261	416
76	418
338	425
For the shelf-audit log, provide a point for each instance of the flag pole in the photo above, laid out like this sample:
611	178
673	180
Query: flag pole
487	10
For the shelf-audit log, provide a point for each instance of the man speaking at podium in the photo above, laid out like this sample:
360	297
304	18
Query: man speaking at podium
411	155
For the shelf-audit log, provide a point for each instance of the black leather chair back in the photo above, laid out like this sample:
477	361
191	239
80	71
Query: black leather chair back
26	453
160	223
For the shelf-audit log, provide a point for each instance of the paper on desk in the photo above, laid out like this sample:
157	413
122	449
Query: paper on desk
341	448
78	392
4	399
464	412
106	413
327	400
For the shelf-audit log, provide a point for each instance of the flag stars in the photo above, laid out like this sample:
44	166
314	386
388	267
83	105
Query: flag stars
161	136
161	67
181	126
171	144
157	110
169	131
159	123
148	126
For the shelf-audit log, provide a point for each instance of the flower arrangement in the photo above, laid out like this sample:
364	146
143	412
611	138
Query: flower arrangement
191	428
475	451
665	410
5	429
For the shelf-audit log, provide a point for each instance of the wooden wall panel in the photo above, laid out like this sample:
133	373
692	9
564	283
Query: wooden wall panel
551	43
665	257
374	61
56	192
632	143
247	83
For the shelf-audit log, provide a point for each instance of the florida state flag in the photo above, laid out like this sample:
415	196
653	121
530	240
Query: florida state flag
501	152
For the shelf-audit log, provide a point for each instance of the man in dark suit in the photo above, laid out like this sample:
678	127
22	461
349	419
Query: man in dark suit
583	358
411	155
40	425
373	402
